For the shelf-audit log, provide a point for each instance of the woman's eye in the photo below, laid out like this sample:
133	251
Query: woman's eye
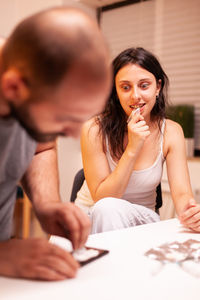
125	87
144	85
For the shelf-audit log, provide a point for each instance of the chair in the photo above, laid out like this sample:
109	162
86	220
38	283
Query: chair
158	197
79	179
26	213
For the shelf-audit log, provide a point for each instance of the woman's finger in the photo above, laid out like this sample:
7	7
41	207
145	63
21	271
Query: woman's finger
189	213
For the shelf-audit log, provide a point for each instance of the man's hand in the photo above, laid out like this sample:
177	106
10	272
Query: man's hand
66	220
36	259
190	217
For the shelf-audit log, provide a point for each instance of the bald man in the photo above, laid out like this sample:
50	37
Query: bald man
54	75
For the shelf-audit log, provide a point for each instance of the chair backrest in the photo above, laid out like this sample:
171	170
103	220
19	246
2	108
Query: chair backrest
158	197
79	179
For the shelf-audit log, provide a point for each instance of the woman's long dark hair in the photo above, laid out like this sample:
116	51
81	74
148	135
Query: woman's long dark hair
112	121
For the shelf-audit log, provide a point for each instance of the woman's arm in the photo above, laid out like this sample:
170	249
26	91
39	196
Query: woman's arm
178	176
101	181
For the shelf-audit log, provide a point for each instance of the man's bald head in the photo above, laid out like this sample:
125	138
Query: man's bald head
46	45
55	73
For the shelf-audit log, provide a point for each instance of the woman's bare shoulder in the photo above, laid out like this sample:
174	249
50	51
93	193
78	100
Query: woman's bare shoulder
173	135
90	127
173	128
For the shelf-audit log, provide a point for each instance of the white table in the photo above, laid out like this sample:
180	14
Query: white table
124	273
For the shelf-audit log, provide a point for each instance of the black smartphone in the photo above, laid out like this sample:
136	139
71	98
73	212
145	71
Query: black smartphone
86	255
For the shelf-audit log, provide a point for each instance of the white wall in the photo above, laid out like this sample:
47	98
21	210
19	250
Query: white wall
87	9
12	11
69	162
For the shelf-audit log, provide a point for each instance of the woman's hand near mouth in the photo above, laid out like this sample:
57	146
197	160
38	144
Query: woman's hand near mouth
138	131
136	111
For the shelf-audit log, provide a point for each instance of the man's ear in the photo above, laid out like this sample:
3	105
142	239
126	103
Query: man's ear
13	87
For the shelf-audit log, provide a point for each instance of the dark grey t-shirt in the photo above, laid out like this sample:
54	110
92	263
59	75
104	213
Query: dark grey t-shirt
17	149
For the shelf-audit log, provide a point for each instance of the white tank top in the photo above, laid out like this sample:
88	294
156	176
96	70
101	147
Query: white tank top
141	188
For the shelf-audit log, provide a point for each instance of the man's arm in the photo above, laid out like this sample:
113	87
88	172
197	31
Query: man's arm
37	258
42	187
41	179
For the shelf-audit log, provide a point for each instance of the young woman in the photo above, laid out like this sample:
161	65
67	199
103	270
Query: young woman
124	148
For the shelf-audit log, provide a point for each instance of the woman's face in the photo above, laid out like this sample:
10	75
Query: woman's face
136	88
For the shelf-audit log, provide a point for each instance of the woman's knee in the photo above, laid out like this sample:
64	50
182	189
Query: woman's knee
109	214
104	206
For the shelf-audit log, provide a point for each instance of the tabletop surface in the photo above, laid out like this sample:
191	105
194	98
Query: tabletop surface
124	273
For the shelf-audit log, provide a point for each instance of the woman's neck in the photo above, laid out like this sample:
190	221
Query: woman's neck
153	124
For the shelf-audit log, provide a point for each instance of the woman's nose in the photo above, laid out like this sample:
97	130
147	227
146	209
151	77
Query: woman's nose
135	93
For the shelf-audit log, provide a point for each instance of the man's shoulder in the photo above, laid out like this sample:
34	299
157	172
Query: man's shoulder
16	149
10	129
